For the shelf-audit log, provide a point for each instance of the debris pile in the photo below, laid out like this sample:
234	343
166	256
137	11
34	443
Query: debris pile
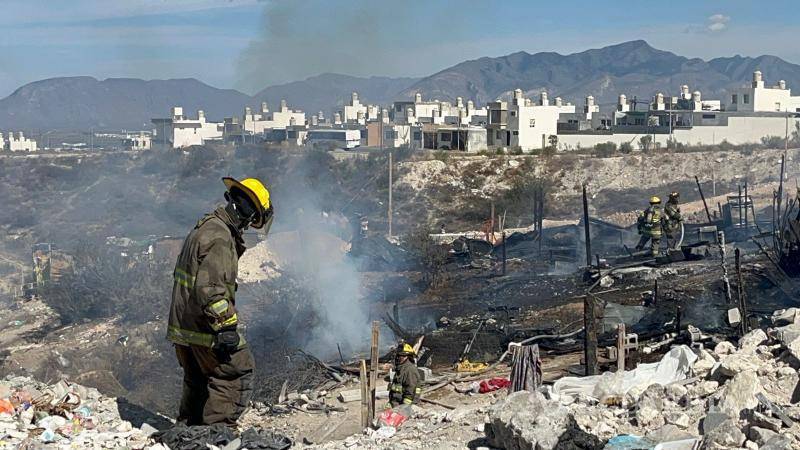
63	415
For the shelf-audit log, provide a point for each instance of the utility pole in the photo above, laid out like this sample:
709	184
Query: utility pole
390	186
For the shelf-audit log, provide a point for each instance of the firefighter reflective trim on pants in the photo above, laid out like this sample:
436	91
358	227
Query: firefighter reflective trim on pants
186	337
407	401
230	321
396	387
183	278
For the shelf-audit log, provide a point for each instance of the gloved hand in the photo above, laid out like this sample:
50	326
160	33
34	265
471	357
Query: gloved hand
226	342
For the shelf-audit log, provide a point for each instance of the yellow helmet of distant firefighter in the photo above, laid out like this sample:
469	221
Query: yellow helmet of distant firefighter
406	350
257	193
654	200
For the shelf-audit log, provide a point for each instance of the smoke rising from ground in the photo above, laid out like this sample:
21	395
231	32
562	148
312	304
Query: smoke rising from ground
361	37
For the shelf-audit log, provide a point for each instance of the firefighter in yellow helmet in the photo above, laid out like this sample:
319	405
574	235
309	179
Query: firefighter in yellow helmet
217	365
649	224
405	386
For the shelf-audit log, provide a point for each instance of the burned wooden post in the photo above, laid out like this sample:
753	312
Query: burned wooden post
504	252
703	197
655	292
362	377
726	283
739	207
621	347
590	335
746	206
740	292
586	228
373	367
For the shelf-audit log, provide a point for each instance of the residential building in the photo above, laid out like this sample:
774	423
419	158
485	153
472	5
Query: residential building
437	112
180	131
257	123
753	112
291	136
521	123
142	141
18	143
759	98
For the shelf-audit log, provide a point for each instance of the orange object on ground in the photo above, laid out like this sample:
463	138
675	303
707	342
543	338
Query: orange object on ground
6	407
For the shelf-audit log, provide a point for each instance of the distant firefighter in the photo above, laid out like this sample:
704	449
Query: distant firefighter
405	386
217	365
650	226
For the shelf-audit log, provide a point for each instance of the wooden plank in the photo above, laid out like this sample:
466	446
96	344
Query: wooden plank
621	347
364	395
590	340
373	367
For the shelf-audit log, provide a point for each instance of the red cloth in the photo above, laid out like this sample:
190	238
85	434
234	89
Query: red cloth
494	384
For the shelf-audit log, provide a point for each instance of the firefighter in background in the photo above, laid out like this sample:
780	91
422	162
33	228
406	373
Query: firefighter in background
405	387
650	226
217	365
672	218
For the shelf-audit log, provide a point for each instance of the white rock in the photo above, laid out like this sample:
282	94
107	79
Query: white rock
750	341
724	348
740	393
705	362
680	420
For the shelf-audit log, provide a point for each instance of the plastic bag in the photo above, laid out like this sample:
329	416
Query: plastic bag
391	418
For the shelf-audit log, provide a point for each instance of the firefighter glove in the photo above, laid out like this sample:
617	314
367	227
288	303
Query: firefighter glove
226	341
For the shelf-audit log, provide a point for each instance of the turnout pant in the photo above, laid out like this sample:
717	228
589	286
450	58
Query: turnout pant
655	243
214	391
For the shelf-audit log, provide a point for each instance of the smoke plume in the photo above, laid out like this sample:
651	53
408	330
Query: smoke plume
304	38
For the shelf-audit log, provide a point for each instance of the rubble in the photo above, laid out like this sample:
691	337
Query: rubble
63	415
526	420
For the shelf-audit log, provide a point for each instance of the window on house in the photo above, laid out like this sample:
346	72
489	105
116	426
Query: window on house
734	99
746	99
513	113
417	135
398	108
777	106
516	133
499	135
709	116
532	123
445	137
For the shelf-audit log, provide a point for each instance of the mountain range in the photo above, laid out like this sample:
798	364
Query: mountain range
633	68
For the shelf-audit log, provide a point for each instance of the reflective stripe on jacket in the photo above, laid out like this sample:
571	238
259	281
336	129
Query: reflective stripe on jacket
204	288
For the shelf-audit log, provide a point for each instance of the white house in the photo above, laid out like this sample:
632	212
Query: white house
521	123
17	143
357	112
759	98
437	112
254	123
185	132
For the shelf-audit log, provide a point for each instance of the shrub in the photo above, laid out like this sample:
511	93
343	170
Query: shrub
516	150
772	142
605	149
646	143
626	147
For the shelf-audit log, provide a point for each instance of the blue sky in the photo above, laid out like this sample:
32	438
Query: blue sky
249	44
